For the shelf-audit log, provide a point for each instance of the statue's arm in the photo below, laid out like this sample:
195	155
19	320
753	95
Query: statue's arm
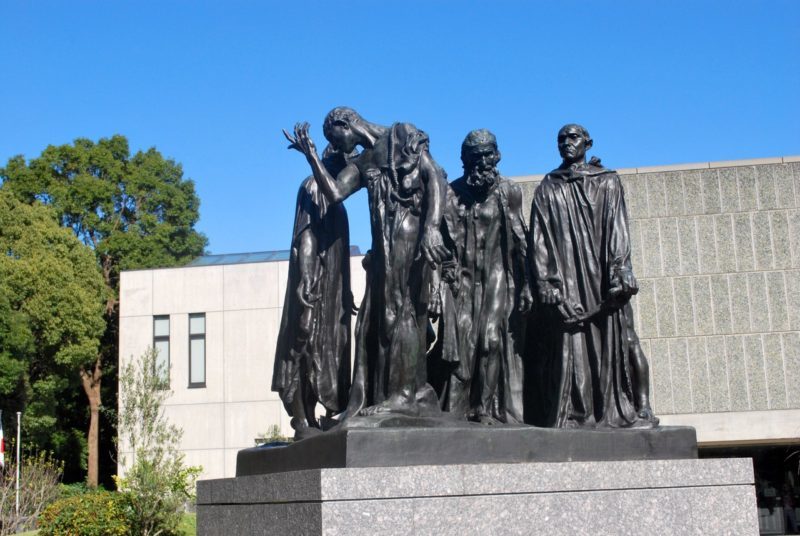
432	244
306	244
336	189
519	233
544	254
621	275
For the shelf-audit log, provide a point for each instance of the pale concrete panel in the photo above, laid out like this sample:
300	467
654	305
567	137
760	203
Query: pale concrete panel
740	302
743	238
721	304
687	234
244	421
792	278
764	427
136	293
635	196
656	194
776	379
708	245
211	460
711	191
135	337
748	194
358	278
665	307
684	306
283	279
703	313
794	237
676	197
756	373
651	248
670	246
726	249
737	373
791	356
698	367
187	290
718	374
759	307
648	327
693	191
762	241
662	380
202	424
252	286
784	185
682	388
765	185
782	251
729	190
637	258
776	296
250	338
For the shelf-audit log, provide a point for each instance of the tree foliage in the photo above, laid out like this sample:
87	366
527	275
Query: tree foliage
38	489
133	211
52	298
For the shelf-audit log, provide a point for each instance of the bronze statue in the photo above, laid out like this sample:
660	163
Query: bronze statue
485	290
591	371
312	359
406	193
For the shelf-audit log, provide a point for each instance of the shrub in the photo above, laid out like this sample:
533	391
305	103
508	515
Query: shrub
38	488
156	479
98	513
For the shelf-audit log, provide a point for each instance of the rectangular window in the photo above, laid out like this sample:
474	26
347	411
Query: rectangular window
161	346
197	350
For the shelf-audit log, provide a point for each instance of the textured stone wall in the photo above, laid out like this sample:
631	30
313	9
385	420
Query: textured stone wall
716	250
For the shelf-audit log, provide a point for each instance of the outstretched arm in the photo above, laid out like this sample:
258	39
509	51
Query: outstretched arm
335	189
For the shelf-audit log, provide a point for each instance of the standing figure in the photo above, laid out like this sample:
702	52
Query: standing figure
484	291
589	361
405	189
312	359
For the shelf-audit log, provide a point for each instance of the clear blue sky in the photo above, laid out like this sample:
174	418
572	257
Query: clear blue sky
212	84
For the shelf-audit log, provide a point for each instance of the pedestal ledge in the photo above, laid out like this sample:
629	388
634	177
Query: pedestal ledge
467	444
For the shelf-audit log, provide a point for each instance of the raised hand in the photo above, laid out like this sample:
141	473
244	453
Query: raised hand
301	141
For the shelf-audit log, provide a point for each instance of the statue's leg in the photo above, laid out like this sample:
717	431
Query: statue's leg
491	342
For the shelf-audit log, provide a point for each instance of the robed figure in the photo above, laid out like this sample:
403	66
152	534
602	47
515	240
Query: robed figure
477	361
405	192
312	359
582	264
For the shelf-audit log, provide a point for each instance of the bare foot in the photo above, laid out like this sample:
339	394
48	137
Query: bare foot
646	414
395	404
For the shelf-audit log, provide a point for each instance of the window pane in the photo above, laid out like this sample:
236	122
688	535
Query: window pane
162	359
161	327
197	324
198	364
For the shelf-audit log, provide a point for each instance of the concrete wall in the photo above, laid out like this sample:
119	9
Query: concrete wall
243	305
716	250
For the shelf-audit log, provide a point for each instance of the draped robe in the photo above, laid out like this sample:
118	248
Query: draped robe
581	245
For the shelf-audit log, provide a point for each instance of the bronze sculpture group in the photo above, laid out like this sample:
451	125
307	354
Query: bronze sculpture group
532	327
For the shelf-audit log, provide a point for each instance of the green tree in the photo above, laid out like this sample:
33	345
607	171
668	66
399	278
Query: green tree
133	211
52	298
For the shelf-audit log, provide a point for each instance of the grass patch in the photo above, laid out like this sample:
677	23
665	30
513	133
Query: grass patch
188	526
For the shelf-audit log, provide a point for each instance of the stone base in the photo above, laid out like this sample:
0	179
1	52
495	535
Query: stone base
665	497
464	443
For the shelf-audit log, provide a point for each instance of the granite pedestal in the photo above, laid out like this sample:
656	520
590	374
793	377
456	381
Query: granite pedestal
664	497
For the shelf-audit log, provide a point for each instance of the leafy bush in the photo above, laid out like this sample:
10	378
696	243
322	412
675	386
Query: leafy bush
98	513
38	488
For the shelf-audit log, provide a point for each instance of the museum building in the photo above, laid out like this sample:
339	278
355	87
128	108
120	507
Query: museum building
716	251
